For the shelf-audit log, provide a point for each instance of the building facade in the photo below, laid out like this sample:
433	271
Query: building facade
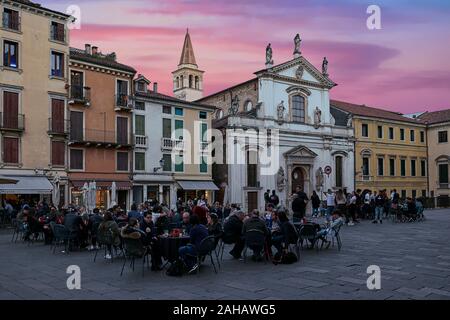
171	139
33	101
286	109
438	124
101	140
391	150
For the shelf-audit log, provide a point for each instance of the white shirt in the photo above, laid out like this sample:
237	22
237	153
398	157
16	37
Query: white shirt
330	200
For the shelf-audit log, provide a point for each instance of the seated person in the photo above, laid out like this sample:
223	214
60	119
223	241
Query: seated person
134	213
109	225
188	252
254	222
214	227
31	225
94	223
74	224
411	213
286	233
336	219
201	212
232	233
151	240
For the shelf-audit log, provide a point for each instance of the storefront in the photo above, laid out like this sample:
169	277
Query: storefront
160	192
30	189
192	189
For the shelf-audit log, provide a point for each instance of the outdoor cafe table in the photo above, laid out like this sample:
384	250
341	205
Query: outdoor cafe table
170	246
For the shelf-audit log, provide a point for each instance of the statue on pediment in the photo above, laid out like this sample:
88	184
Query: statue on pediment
297	43
234	107
269	60
319	179
325	67
280	111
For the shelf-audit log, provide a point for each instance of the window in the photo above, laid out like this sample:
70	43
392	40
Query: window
442	137
167	110
11	150
179	163
443	173
365	130
380	132
11	54
412	135
197	83
252	169
203	165
122	93
76	159
141	86
413	168
422	136
122	161
403	194
380	166
57	123
248	106
139	125
423	168
391	133
202	115
392	167
179	129
10	115
167	166
11	19
122	130
58	152
191	81
179	111
402	167
298	108
414	194
338	171
76	126
139	105
57	32
57	64
167	128
366	168
402	134
139	161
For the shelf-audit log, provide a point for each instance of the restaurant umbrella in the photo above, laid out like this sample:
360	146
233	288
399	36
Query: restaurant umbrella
113	194
56	191
93	196
85	194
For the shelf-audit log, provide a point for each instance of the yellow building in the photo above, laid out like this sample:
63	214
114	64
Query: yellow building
438	130
390	150
33	112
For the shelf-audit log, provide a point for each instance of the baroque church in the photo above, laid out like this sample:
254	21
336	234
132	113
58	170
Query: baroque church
288	106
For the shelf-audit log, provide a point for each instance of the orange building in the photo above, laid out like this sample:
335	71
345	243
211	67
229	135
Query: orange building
100	140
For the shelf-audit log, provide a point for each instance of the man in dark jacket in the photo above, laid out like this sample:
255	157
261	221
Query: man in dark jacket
274	199
254	223
232	233
187	253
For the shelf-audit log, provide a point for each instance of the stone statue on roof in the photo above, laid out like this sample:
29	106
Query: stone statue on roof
297	42
325	67
269	60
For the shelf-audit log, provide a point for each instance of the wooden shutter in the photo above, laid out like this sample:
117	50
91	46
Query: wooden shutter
76	126
10	150
60	32
58	153
57	121
76	159
122	161
10	110
122	130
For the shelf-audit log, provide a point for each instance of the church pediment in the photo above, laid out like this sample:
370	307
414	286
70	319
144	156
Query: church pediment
300	152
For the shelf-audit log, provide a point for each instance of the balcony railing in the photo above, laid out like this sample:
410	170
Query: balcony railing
58	35
366	178
79	94
101	137
123	101
10	21
12	123
172	144
140	141
58	126
443	185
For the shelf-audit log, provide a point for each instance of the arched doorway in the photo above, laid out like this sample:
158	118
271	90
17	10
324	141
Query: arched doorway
298	179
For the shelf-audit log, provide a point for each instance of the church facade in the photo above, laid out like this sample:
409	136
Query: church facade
288	106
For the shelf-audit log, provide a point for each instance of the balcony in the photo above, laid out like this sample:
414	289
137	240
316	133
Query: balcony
11	21
80	95
172	144
443	185
58	127
366	178
10	123
140	141
99	138
123	102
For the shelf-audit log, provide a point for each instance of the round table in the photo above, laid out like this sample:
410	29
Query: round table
170	246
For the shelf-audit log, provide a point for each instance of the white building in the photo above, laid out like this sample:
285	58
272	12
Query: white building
292	99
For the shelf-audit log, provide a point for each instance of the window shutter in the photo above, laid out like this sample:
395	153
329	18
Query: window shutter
10	150
58	152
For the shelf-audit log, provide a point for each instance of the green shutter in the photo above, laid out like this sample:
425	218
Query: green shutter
179	126
179	165
140	125
203	166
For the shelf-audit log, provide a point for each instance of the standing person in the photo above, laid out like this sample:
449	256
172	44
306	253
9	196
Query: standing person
379	207
331	203
341	202
267	196
366	205
351	209
268	215
226	211
274	199
217	209
304	200
232	233
315	201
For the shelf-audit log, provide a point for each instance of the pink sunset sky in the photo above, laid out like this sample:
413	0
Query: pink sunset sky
402	67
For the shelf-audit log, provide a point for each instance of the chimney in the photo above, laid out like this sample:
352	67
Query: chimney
155	87
94	50
87	47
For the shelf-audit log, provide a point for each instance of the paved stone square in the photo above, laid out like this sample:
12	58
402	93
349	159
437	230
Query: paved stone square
414	259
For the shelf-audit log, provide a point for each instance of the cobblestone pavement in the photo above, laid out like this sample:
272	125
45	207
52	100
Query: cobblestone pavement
414	259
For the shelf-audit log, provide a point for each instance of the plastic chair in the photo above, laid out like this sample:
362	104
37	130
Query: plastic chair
206	247
134	249
254	239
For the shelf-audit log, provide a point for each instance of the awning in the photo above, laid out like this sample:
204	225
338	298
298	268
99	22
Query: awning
27	185
103	185
197	185
7	180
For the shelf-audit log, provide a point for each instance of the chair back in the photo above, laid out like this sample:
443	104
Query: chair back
254	238
292	233
60	232
94	228
105	236
307	231
134	247
206	246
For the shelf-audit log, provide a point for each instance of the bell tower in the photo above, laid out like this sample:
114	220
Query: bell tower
188	78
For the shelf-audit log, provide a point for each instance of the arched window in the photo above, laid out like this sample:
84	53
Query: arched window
181	81
177	82
191	81
197	83
298	108
248	106
338	171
